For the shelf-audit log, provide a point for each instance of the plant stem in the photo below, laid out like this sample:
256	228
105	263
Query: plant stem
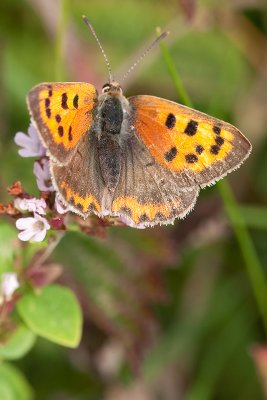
59	40
253	265
252	262
185	99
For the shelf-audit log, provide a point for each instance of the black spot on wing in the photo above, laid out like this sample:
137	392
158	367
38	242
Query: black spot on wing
64	101
58	118
191	158
70	134
219	140
75	101
199	149
79	206
216	129
191	128
171	154
143	218
214	149
60	130
50	91
170	121
47	109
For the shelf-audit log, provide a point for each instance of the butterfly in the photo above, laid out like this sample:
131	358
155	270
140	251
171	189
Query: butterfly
142	159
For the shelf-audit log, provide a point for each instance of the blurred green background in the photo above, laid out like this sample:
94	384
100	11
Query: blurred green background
169	312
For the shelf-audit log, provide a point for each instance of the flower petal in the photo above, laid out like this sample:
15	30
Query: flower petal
38	170
39	236
26	235
30	144
25	223
21	139
43	176
33	134
32	205
60	207
27	153
9	284
43	220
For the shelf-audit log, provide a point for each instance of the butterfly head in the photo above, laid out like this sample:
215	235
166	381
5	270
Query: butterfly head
112	88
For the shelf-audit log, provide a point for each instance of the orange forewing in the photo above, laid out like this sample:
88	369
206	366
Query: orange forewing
181	138
62	113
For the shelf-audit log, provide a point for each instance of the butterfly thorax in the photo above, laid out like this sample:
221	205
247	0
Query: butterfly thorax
111	122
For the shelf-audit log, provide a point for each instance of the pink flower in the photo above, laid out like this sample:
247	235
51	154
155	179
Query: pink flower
33	205
33	228
60	207
30	144
9	283
43	176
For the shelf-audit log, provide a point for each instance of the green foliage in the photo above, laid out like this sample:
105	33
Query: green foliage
13	385
7	246
54	313
19	343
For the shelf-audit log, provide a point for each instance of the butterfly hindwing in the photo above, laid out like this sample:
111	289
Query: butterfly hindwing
197	148
147	194
79	183
62	114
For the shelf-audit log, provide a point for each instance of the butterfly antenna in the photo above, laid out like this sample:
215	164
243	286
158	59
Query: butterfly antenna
157	40
88	23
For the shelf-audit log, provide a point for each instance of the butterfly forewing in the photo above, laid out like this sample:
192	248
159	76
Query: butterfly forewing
62	114
198	148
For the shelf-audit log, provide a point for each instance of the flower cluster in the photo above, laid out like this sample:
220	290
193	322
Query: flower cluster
33	224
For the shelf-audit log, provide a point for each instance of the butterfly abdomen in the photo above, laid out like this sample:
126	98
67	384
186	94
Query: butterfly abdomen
110	116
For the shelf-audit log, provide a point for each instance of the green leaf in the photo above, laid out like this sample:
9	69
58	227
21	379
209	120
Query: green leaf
54	314
7	248
13	385
20	342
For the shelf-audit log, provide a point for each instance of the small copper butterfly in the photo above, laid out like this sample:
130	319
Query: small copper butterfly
143	158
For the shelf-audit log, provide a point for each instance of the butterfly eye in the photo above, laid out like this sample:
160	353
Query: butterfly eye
106	88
